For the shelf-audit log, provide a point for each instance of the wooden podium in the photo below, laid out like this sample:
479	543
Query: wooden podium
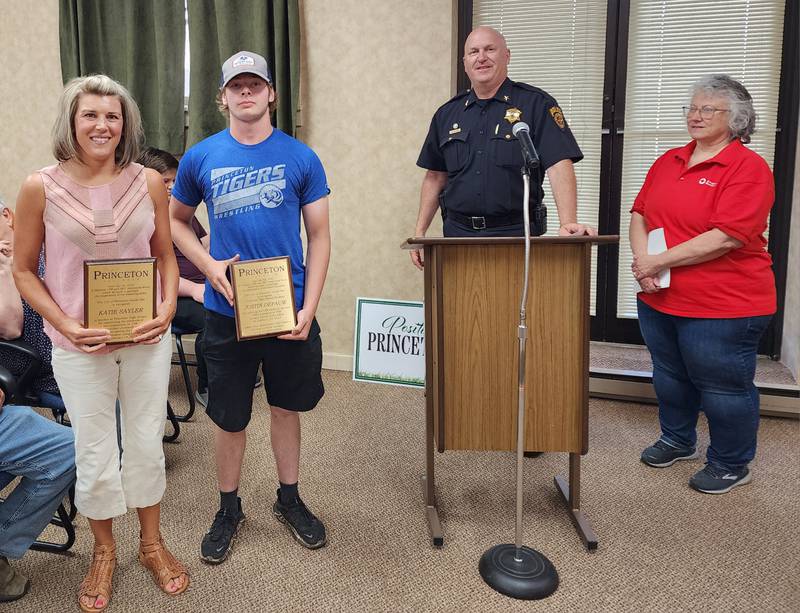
473	289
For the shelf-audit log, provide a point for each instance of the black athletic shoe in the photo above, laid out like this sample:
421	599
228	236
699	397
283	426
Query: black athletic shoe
303	524
661	454
218	541
716	480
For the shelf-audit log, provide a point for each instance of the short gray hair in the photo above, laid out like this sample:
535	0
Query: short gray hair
742	118
65	146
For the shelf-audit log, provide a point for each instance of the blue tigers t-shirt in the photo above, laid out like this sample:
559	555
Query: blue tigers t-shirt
253	194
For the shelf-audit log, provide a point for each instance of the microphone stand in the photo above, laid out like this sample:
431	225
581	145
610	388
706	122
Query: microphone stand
516	570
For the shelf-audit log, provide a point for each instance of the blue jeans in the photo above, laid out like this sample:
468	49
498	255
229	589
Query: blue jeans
51	401
709	365
42	452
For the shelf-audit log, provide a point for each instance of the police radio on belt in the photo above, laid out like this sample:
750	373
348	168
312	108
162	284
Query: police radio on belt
522	132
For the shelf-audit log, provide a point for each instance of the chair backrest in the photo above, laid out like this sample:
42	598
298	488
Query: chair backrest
8	383
24	393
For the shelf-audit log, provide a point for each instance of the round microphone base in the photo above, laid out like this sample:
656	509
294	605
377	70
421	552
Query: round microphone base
522	573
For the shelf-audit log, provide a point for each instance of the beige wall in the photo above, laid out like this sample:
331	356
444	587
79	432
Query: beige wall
30	83
373	76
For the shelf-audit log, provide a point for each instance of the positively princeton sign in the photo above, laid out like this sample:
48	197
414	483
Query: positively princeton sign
390	342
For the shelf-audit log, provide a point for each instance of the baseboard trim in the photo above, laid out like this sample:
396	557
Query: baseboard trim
337	361
615	384
777	399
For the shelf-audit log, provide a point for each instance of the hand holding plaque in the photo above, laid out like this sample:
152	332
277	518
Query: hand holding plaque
118	295
263	297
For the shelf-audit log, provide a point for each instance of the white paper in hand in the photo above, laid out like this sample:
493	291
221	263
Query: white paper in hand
657	243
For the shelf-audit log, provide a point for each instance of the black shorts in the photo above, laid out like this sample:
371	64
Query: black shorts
292	372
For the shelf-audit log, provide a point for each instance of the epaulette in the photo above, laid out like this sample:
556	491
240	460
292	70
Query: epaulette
461	94
531	88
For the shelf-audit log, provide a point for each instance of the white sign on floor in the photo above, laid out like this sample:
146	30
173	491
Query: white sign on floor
389	342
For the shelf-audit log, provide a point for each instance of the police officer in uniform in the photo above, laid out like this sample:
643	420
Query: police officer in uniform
473	161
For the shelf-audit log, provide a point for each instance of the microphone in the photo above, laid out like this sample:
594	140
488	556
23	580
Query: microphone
522	132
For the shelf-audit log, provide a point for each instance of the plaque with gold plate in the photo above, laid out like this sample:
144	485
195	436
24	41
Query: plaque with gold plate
118	295
263	297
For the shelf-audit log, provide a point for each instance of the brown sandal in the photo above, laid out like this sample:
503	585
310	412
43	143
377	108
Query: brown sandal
98	580
156	558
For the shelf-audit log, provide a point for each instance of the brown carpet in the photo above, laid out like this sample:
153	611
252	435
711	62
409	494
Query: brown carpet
663	547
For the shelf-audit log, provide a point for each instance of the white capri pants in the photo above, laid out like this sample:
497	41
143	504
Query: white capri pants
90	384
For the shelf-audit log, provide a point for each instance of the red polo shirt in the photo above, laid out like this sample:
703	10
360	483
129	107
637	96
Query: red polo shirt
733	192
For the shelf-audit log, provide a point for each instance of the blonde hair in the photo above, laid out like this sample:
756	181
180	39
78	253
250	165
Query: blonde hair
65	146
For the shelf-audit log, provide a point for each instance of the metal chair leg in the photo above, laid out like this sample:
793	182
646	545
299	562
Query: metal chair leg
176	426
186	380
72	510
62	520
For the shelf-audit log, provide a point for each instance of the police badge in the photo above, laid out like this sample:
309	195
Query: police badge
513	115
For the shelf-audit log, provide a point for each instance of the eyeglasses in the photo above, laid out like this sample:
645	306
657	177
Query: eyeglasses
706	112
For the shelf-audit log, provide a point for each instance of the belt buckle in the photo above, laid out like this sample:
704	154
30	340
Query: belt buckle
478	223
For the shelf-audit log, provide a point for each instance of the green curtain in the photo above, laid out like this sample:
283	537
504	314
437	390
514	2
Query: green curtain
220	28
140	43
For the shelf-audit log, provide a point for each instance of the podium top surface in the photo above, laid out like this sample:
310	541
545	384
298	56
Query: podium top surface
420	241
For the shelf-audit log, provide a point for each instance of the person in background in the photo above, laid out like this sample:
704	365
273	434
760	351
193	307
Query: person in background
98	203
189	314
712	198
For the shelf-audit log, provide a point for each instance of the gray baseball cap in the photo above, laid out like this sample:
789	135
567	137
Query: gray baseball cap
243	62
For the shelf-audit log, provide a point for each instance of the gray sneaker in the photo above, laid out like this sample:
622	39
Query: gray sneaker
13	586
661	454
717	480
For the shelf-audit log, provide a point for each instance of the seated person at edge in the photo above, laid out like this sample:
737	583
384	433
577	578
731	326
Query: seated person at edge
97	203
712	198
18	319
33	447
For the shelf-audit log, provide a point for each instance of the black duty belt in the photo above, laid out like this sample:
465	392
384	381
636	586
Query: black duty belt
484	221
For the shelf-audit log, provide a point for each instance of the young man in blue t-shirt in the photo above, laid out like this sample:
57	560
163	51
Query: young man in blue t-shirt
257	183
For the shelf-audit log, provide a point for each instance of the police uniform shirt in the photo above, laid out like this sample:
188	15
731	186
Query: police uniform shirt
471	140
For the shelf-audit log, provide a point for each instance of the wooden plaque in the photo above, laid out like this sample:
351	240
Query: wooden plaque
263	297
118	295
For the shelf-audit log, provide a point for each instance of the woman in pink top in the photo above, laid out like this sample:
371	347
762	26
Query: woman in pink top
97	203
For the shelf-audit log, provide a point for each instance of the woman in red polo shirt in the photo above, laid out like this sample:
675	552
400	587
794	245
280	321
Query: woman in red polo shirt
712	198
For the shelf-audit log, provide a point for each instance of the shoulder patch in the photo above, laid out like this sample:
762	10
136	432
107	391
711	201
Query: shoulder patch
558	117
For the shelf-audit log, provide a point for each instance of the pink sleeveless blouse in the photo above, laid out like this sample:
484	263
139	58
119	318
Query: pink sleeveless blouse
83	222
